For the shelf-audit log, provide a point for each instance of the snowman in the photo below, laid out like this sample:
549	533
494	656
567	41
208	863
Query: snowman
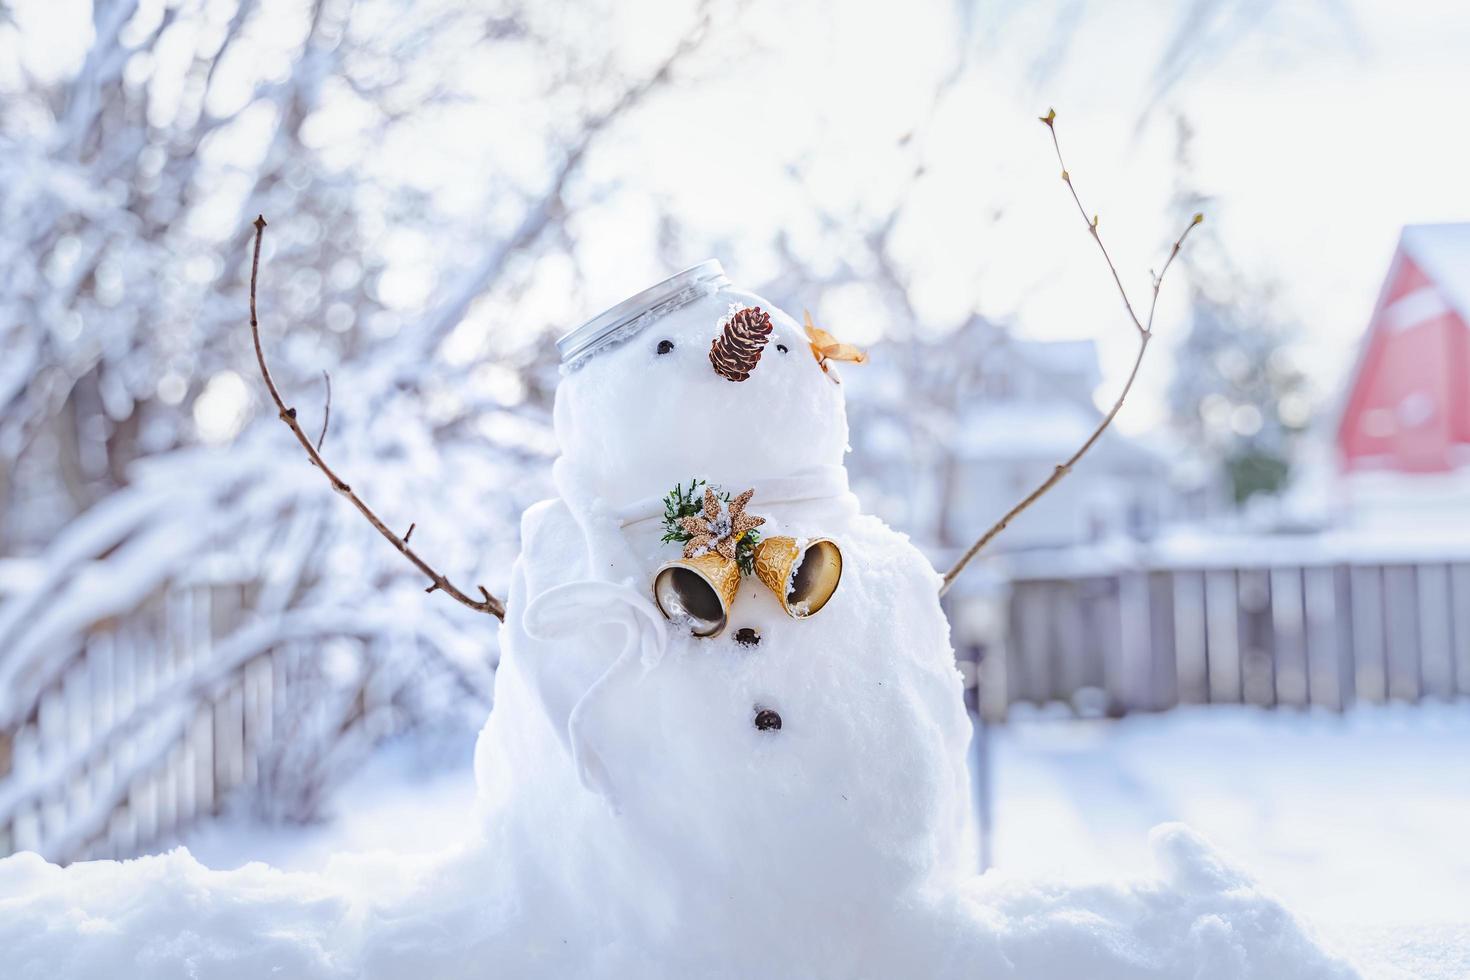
774	753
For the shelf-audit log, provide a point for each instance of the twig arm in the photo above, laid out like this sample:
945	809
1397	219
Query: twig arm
1145	334
437	582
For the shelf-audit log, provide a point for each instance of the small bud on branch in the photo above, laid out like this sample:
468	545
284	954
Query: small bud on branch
326	412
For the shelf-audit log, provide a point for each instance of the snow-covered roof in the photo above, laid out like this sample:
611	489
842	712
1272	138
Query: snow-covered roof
1050	430
1077	358
1442	251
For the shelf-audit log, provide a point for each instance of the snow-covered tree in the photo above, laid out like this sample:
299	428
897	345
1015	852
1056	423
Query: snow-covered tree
1236	396
137	456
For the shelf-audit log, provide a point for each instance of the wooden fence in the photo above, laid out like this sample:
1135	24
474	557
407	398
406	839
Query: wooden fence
146	729
1148	635
154	719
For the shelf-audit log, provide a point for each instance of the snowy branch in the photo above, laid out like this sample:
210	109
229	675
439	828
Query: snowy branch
489	604
550	206
1145	333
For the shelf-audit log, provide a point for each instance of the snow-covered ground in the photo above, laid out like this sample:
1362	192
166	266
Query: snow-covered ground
1360	817
409	798
1360	823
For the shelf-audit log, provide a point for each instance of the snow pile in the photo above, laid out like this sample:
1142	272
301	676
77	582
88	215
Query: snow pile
386	918
1438	951
1200	918
166	916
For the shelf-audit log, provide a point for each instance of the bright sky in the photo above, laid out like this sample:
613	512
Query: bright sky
1319	134
1319	131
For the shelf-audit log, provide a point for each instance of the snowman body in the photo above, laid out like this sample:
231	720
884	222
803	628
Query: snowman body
623	781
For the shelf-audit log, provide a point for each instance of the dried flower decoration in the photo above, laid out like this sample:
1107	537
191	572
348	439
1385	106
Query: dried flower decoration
826	347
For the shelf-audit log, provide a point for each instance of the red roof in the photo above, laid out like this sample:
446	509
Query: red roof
1408	407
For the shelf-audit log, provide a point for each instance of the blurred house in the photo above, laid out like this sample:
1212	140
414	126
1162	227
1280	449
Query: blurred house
947	439
1403	437
1035	412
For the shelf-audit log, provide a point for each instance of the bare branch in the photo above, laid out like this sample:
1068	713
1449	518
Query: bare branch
326	412
489	604
1145	333
1050	120
549	207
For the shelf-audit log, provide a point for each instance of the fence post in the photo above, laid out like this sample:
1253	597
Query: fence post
1255	639
1436	647
1460	626
1163	678
7	752
1136	656
1191	649
1347	618
984	799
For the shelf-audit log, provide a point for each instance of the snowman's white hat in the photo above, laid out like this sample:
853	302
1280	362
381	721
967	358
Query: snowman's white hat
637	311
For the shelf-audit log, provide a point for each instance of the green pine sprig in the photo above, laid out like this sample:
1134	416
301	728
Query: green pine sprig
679	504
745	551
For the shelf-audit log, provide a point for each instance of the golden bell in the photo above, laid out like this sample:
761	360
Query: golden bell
803	575
698	591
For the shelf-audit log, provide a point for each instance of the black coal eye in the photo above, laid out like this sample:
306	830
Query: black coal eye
747	637
767	720
664	346
781	348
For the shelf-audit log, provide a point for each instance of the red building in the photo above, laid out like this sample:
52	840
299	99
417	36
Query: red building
1408	403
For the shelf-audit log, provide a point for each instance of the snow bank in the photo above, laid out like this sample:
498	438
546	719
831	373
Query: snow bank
167	916
1295	796
1426	951
1198	917
384	917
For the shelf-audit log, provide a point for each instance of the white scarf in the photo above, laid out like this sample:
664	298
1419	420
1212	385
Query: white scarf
826	482
614	594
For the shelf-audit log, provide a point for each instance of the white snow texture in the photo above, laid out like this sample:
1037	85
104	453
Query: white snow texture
633	820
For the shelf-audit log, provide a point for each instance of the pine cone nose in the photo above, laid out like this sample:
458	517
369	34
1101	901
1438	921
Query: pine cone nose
743	336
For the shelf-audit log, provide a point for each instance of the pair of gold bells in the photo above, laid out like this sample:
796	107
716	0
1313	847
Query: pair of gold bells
701	590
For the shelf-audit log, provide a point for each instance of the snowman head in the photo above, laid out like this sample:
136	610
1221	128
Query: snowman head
642	406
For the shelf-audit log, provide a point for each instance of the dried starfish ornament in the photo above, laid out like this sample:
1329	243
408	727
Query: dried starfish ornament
719	528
